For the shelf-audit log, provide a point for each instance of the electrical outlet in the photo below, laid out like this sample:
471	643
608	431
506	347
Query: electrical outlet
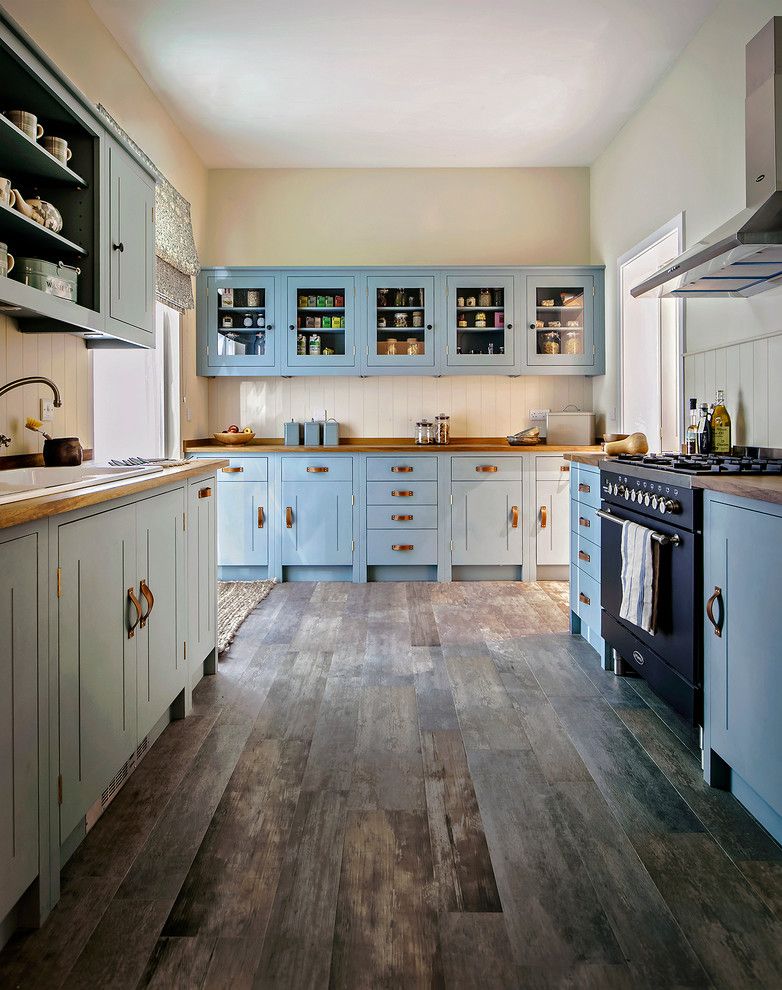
538	415
47	410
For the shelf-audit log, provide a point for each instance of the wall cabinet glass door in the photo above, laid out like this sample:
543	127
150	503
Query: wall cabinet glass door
480	320
400	321
240	321
321	323
560	321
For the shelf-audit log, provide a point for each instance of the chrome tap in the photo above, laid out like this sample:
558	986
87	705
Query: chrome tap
33	380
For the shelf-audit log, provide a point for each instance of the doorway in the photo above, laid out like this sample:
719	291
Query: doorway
650	343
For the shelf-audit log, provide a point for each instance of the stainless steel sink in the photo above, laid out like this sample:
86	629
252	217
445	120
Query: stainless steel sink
22	483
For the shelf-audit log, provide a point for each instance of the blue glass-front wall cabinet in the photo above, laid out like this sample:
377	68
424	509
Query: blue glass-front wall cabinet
400	321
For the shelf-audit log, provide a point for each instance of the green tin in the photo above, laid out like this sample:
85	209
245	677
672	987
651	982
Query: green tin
57	279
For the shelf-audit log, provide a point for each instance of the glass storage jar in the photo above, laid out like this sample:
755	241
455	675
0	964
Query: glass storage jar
442	428
572	341
484	298
423	432
550	342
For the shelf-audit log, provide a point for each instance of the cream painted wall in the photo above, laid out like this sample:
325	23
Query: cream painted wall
77	41
684	151
386	217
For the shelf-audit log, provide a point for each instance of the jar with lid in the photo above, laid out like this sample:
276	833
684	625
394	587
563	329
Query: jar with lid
442	428
460	301
228	322
484	298
480	319
400	319
399	297
462	321
572	342
550	342
248	320
391	345
470	302
423	432
412	346
381	322
418	319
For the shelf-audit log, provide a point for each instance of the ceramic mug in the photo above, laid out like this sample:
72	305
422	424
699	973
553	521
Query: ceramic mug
57	148
26	122
7	195
6	260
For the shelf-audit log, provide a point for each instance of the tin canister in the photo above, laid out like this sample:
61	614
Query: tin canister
57	279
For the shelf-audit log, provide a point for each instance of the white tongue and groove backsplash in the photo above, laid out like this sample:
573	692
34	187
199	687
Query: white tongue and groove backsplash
389	407
751	374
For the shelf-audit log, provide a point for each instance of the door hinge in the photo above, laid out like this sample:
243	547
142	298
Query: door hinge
352	546
354	350
184	650
451	546
451	499
153	214
594	350
184	521
59	582
367	351
446	348
352	499
207	350
594	291
59	789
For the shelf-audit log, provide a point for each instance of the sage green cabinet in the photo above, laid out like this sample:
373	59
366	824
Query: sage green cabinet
201	570
19	602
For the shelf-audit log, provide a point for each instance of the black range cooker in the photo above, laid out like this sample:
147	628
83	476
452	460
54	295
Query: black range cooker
656	491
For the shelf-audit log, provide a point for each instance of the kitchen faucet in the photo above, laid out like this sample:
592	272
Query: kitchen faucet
29	380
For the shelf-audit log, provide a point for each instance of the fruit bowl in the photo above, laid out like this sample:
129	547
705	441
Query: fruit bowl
234	439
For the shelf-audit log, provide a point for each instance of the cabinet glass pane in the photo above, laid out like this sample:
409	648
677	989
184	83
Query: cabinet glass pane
401	321
320	322
559	320
241	322
480	320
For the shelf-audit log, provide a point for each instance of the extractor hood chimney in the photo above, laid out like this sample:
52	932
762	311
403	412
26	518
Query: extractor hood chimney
744	256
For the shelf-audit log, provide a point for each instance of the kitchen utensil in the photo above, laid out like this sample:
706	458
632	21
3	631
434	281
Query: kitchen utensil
7	195
636	443
57	148
62	452
234	439
57	279
26	122
39	210
574	427
6	260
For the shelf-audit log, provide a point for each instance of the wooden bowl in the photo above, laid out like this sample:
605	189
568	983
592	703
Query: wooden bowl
233	439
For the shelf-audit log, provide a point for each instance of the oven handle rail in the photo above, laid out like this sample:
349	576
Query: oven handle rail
662	538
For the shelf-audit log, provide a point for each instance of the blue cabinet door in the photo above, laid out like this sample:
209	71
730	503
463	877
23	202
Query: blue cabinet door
561	321
241	328
486	522
317	523
742	669
322	307
400	322
242	524
479	315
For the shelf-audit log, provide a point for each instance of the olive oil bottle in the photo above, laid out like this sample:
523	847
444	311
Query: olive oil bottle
720	426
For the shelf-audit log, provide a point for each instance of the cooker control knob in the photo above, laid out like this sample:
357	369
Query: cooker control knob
618	489
626	494
668	506
654	501
647	499
633	495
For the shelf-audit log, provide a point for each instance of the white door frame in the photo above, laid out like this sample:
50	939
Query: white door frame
676	224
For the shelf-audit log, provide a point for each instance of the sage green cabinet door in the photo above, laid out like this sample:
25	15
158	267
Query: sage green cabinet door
18	718
97	659
161	592
202	570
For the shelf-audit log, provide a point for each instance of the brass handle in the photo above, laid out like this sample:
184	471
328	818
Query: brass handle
585	488
398	518
584	522
150	599
583	598
401	469
260	517
487	468
583	555
317	470
402	546
205	493
543	517
135	602
564	467
232	470
514	515
402	494
288	517
716	595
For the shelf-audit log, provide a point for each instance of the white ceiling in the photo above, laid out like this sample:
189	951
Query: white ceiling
406	83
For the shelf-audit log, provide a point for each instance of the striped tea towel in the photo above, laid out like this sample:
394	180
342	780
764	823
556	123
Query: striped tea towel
639	577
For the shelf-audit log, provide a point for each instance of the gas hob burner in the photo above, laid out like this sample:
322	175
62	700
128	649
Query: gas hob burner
705	463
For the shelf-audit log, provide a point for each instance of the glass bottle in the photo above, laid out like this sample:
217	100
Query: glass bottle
720	426
691	435
704	431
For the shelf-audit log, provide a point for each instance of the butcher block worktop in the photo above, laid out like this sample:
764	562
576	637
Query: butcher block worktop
55	503
381	445
761	488
586	455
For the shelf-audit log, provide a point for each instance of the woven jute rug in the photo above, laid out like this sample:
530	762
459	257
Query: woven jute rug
236	599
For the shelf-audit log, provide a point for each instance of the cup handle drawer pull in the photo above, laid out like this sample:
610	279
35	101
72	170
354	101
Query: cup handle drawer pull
232	470
288	517
584	522
402	494
583	598
401	469
397	518
403	546
136	605
543	517
514	517
487	468
715	596
204	492
150	599
317	470
564	468
586	489
583	555
260	517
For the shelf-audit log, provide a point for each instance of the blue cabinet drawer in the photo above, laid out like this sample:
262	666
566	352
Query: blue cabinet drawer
400	517
585	520
486	468
389	546
400	467
585	555
402	492
585	485
313	467
587	600
245	469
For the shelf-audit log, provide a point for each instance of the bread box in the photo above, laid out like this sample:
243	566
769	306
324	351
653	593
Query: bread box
576	428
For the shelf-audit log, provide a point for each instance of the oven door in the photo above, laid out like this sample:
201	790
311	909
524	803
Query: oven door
677	637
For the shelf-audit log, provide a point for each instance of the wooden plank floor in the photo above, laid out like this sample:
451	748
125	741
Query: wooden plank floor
416	785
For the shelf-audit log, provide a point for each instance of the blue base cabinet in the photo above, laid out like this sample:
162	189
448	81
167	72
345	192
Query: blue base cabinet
742	668
486	514
585	558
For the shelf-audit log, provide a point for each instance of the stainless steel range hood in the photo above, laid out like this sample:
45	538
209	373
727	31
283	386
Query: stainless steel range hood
744	255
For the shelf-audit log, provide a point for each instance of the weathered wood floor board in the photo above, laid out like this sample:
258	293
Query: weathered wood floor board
400	785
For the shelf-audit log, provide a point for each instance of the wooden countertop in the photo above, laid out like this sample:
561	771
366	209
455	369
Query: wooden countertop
761	488
380	445
586	455
54	504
